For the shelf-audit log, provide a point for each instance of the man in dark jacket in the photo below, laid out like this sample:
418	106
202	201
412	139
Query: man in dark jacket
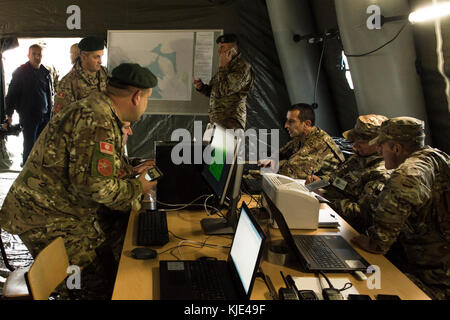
30	94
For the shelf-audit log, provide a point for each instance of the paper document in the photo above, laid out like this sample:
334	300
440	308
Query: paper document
203	59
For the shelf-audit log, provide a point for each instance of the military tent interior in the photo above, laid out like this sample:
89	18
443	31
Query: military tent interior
262	27
285	69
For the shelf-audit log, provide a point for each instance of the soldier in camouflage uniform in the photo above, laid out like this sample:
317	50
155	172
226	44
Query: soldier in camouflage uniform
87	75
73	171
360	177
228	89
310	150
413	207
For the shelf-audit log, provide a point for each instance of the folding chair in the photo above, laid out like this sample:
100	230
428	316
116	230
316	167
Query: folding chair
48	270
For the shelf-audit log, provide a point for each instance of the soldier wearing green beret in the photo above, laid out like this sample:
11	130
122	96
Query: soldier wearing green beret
413	208
73	172
87	75
229	87
361	177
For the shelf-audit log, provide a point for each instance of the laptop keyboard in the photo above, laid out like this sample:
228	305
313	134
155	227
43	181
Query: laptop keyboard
319	252
206	280
152	228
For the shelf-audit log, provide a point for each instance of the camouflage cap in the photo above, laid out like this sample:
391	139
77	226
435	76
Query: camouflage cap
401	129
134	75
227	38
91	44
366	127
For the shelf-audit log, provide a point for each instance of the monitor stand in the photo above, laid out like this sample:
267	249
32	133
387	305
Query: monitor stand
216	226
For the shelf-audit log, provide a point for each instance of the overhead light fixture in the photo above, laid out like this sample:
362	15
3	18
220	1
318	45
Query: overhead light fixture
429	13
422	15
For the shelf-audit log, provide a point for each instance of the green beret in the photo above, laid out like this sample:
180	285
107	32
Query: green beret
134	75
91	44
227	38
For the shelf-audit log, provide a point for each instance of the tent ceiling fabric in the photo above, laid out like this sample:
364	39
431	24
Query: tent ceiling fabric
344	97
25	18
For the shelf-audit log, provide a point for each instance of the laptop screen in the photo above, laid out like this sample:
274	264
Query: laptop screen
245	249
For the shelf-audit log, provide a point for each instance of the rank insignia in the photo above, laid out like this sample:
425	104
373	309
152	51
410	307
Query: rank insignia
107	148
104	167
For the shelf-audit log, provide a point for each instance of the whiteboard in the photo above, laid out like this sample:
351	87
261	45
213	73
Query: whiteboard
174	57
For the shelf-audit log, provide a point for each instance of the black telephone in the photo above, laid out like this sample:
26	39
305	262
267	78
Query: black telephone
292	292
287	294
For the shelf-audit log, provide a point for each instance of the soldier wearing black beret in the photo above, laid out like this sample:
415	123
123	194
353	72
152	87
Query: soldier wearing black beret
78	159
228	89
87	75
91	44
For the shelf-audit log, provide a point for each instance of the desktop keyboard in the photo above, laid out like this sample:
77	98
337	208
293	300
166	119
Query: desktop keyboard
152	228
319	251
206	280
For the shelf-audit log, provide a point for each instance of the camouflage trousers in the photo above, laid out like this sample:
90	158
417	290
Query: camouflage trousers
437	288
435	292
230	123
114	225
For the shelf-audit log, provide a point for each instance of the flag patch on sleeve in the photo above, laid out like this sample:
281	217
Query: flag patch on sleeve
107	148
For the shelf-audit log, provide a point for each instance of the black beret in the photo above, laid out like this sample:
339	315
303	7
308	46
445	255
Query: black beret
227	38
91	44
134	75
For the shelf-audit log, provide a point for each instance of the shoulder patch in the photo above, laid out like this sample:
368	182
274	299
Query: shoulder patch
104	167
106	148
57	107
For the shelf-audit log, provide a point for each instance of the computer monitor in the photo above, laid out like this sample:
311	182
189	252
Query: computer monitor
182	183
223	174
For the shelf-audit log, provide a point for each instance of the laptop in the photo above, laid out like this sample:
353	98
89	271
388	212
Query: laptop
326	253
217	279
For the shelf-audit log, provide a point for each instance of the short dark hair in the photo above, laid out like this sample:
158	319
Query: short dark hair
409	146
35	46
306	112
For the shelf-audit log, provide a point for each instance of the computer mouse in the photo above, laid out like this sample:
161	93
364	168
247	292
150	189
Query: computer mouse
143	253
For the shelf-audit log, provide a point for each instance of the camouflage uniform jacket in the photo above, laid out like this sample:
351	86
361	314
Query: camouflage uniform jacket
228	91
72	171
354	183
78	84
126	169
319	152
414	207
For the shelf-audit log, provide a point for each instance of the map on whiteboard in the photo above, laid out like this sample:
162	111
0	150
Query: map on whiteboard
168	55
